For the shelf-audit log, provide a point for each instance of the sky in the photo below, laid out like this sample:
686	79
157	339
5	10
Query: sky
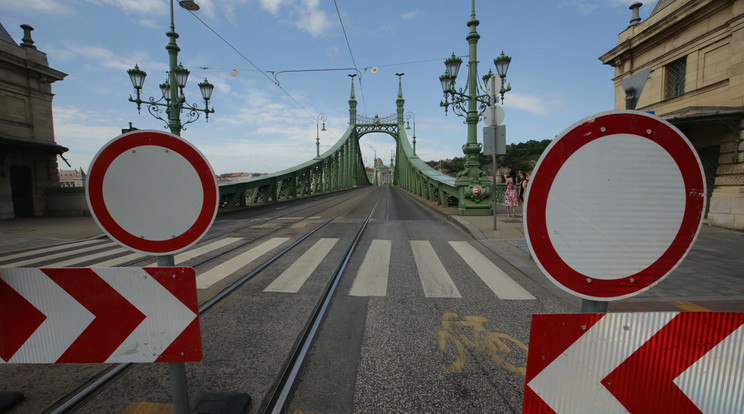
267	115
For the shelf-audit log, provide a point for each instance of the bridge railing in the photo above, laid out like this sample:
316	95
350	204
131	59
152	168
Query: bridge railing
338	168
415	176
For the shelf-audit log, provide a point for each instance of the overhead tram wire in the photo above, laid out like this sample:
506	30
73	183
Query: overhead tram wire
275	73
348	45
409	63
264	73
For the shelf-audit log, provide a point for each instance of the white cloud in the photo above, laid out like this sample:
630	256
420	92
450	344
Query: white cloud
101	57
410	15
38	6
83	132
303	14
142	7
272	6
529	103
313	21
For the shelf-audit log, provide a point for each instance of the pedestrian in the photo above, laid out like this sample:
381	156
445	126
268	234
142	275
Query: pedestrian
521	190
510	196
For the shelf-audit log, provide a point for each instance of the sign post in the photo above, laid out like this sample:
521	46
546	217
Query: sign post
494	134
154	193
614	204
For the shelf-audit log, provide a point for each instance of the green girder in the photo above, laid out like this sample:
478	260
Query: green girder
340	168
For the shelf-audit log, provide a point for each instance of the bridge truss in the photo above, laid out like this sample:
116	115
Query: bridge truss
342	167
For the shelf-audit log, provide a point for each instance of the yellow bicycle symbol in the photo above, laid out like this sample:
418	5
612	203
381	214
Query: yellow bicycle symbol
493	343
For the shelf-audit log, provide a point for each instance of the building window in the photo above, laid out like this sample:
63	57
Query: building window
676	72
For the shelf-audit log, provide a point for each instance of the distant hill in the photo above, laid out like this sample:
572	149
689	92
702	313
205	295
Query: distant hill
521	157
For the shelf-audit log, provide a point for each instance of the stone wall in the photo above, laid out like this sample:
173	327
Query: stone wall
67	202
727	203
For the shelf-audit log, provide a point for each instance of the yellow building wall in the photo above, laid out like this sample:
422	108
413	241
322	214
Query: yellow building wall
710	35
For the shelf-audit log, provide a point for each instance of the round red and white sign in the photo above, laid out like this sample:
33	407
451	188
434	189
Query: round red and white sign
614	204
152	192
477	191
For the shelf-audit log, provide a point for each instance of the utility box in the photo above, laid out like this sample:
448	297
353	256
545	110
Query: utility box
494	139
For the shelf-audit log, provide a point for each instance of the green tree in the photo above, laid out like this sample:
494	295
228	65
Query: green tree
522	156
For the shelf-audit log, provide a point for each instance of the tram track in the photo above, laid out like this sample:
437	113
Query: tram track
280	393
276	399
255	222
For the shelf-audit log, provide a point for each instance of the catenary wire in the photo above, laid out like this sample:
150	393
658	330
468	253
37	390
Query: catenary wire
264	73
348	45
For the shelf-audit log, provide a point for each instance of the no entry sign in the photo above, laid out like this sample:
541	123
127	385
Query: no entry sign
614	205
152	192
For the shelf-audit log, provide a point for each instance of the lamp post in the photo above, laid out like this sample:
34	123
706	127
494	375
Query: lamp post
473	184
175	101
409	116
172	89
321	117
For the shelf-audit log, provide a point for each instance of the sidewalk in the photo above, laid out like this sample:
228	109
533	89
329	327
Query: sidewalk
30	232
711	276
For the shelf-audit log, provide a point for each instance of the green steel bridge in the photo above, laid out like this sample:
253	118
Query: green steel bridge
341	167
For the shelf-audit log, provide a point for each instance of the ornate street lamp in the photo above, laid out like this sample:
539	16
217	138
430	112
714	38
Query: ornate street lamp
502	65
172	96
470	102
321	117
409	116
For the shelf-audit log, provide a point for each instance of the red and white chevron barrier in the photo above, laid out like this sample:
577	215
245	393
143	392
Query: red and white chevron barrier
81	315
661	362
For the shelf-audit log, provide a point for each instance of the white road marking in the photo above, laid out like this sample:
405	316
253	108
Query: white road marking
434	277
372	277
83	259
502	285
48	249
58	255
292	279
119	260
192	253
218	273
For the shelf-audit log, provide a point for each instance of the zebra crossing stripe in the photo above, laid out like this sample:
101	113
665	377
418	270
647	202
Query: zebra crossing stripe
78	260
218	273
292	279
502	285
47	250
27	262
192	253
372	277
434	277
119	260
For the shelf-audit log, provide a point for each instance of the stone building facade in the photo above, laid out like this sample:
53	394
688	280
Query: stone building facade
28	152
71	178
694	50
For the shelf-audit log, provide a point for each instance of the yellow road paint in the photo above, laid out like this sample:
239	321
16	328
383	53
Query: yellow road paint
690	307
492	343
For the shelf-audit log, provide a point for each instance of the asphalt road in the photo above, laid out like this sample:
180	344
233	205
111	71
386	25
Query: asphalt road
425	319
383	353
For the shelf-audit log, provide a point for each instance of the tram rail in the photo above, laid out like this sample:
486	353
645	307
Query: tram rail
277	398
